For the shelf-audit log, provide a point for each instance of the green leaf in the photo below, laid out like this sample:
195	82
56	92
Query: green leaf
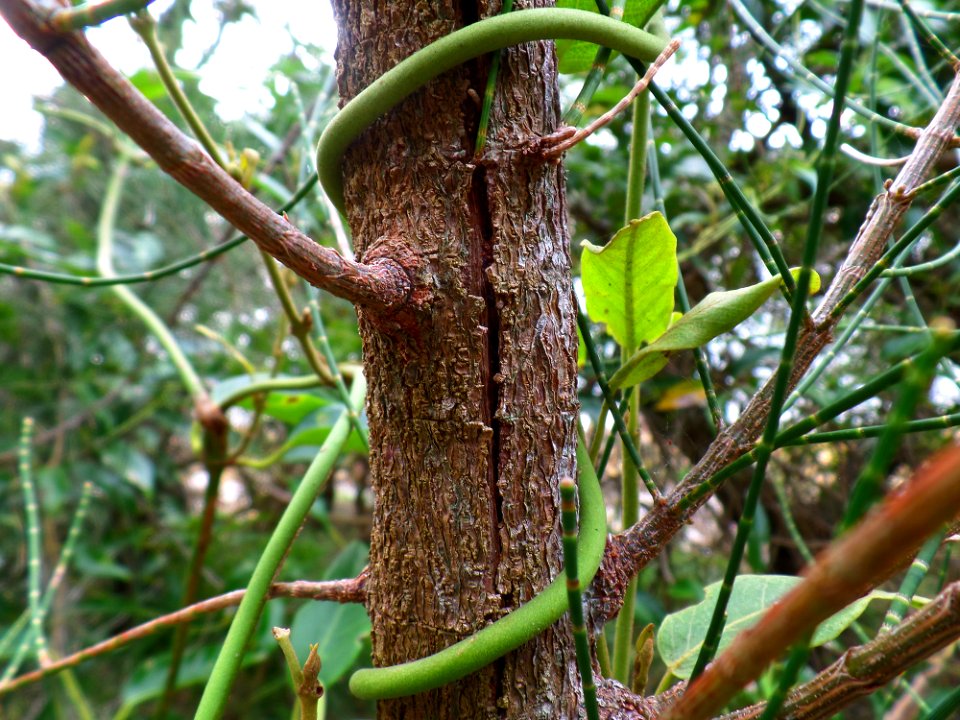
132	465
149	678
287	406
577	56
307	437
628	283
681	634
149	83
349	562
716	314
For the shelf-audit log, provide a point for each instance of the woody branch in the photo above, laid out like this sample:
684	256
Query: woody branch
381	286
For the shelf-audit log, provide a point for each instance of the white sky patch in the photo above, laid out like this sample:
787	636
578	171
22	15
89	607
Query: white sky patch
785	135
34	75
758	125
603	138
234	75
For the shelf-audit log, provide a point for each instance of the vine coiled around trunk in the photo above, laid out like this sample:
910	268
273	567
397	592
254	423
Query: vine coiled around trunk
473	41
489	35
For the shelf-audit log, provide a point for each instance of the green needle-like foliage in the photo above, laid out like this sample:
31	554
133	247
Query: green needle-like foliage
217	691
798	656
868	487
161	272
568	509
32	512
584	324
797	313
911	581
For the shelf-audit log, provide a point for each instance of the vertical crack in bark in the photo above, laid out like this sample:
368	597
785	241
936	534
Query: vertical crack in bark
493	380
483	222
492	372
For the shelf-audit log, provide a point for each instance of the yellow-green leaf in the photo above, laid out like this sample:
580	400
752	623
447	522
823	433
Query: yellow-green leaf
628	283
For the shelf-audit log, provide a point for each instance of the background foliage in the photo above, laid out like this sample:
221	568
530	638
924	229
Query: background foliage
111	410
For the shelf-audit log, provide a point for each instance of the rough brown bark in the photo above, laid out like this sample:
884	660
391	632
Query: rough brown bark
472	395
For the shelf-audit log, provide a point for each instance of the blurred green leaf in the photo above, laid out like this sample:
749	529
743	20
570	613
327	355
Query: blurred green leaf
349	562
148	82
577	56
132	465
681	634
288	406
338	629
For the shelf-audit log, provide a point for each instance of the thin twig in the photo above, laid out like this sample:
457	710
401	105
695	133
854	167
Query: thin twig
341	591
146	27
555	145
851	152
157	273
944	259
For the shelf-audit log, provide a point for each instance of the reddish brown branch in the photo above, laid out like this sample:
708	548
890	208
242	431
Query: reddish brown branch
864	669
352	590
381	286
859	671
846	571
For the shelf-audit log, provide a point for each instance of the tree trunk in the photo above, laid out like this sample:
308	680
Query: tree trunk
472	397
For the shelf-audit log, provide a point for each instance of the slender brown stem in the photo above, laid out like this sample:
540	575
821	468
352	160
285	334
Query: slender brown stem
553	146
342	591
214	454
299	326
381	285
